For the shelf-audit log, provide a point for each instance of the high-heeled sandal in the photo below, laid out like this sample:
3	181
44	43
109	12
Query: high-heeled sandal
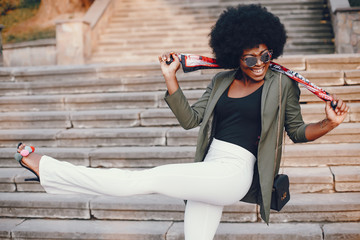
24	153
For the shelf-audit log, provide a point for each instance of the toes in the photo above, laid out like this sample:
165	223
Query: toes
20	147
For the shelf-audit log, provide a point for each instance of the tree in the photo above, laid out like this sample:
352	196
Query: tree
42	24
52	9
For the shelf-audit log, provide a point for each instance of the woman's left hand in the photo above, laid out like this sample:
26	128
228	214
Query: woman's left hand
338	115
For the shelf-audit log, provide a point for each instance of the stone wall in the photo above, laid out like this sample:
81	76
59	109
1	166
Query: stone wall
33	53
346	25
75	40
347	38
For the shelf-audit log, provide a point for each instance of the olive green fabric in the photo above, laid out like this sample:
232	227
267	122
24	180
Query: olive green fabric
201	113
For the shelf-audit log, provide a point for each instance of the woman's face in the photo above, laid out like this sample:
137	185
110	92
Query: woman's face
256	71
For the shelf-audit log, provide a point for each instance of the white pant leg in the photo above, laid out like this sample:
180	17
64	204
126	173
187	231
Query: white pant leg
201	220
221	179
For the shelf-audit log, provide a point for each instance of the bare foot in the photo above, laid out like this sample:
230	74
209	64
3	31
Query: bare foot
31	161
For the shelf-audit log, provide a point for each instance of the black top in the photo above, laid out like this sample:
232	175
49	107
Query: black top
238	120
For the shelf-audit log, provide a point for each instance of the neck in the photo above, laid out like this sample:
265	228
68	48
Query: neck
247	81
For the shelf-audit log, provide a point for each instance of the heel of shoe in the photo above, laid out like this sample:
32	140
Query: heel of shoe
37	179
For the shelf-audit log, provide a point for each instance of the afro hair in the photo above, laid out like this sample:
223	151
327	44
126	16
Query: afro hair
244	27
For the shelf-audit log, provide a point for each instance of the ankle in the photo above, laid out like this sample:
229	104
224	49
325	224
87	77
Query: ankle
32	161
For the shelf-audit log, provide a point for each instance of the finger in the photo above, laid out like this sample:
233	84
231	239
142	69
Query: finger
342	105
344	108
161	61
347	109
175	57
335	99
167	56
164	56
328	104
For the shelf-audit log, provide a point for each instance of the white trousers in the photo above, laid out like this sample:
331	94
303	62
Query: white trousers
223	178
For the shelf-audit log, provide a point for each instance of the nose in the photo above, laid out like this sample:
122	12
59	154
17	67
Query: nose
258	61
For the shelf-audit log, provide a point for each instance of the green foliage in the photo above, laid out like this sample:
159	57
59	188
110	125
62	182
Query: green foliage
354	3
15	16
9	5
30	35
13	12
30	3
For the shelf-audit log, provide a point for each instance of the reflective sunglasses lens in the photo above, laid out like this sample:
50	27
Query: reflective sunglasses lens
265	57
251	61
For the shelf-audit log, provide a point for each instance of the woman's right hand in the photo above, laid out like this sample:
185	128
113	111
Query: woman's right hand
169	71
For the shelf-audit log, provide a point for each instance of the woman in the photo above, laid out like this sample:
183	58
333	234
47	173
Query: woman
238	114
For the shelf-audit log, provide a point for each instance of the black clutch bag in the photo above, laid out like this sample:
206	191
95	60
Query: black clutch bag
280	192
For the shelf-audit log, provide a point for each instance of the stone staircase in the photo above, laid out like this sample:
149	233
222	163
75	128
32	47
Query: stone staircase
115	116
139	30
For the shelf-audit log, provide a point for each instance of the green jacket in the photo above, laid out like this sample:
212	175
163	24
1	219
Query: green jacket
201	113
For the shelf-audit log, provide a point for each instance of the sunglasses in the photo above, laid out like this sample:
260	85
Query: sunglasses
251	61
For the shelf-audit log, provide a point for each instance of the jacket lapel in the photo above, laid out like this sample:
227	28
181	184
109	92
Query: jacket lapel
269	78
218	90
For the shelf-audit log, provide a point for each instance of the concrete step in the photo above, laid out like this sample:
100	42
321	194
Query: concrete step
313	207
345	133
78	72
306	155
296	155
152	32
323	179
114	35
317	49
331	62
96	101
277	231
346	178
196	80
100	137
351	94
85	229
53	74
121	84
127	100
156	45
310	42
142	136
72	119
300	4
122	157
155	21
273	5
302	179
352	77
147	21
152	53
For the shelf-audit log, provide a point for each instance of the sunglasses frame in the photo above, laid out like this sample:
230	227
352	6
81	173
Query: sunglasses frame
268	54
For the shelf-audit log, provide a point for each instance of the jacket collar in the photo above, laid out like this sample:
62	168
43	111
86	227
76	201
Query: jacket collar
269	79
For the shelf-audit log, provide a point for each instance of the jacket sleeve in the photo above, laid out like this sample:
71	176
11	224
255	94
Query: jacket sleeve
294	124
188	116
